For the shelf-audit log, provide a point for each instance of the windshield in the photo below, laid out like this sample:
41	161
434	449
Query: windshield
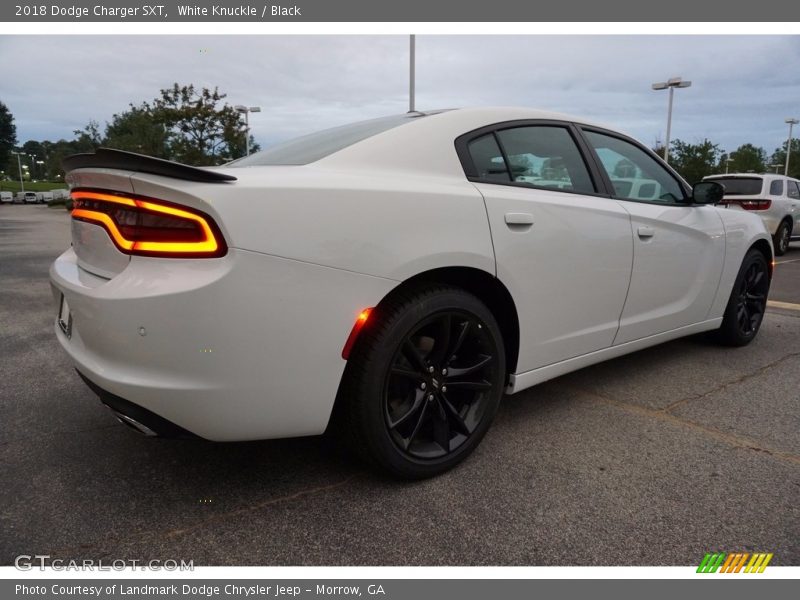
740	186
313	147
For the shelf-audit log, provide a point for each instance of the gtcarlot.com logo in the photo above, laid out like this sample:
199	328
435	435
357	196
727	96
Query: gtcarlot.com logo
27	562
734	562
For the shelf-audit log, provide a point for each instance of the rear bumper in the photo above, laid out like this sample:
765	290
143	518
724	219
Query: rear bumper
136	417
243	347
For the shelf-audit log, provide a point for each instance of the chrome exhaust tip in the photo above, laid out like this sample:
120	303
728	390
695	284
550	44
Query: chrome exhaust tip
134	424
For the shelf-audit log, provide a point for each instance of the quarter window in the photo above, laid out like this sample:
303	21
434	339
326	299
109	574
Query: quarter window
488	159
634	174
794	189
776	187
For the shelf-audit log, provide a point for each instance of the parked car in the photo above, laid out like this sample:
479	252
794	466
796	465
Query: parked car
775	198
388	278
47	197
6	197
60	194
26	198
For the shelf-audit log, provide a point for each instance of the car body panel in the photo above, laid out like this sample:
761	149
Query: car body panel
570	311
236	348
676	269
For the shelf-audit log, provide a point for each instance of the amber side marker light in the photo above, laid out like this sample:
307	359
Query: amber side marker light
149	227
361	320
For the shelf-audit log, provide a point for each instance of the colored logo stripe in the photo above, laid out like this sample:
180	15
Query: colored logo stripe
734	562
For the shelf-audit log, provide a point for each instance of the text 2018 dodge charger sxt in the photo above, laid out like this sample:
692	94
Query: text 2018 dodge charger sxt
399	275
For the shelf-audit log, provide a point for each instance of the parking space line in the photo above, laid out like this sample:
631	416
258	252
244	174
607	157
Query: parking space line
783	262
736	441
784	305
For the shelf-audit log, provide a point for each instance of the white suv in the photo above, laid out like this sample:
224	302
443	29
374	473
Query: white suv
774	197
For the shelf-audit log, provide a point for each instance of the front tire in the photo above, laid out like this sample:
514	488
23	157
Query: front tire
781	238
424	381
747	303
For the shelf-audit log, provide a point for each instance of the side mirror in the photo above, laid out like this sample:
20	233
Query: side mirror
707	192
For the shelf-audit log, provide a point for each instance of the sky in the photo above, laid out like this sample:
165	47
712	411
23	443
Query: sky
743	87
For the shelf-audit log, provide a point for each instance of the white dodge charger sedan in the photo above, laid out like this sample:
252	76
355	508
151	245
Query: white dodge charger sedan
392	278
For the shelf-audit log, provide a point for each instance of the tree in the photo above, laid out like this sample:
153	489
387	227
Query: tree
779	158
88	139
137	130
748	158
200	126
8	134
694	161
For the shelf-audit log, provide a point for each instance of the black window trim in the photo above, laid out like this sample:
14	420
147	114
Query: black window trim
462	150
687	191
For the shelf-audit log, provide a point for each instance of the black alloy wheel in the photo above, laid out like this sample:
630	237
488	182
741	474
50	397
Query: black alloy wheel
423	381
748	301
439	384
751	299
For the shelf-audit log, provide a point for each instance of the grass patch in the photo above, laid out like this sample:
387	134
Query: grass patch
39	186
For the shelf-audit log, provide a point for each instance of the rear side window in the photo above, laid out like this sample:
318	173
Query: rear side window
545	157
776	188
740	186
793	189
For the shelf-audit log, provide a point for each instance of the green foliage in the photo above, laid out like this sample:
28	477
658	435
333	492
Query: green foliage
694	161
748	158
779	158
8	135
201	127
138	130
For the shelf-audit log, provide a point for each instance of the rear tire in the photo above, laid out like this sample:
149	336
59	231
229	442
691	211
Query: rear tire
423	382
781	238
747	303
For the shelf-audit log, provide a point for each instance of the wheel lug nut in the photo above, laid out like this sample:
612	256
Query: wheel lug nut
423	385
430	369
430	397
444	371
444	388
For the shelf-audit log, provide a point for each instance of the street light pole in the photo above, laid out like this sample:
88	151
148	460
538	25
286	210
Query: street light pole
19	165
791	123
412	67
247	110
670	84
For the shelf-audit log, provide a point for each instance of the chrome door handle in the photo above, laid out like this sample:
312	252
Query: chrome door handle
519	219
646	232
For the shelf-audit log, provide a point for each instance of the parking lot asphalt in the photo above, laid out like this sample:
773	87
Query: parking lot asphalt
650	459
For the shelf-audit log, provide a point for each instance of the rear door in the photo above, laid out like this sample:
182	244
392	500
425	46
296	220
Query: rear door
678	249
563	250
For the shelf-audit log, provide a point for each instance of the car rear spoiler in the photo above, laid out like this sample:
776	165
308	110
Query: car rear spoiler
108	158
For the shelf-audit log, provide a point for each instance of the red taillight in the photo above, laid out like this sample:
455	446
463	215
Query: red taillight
148	227
755	204
361	320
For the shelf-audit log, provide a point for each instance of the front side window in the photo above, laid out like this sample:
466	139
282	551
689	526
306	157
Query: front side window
776	188
634	174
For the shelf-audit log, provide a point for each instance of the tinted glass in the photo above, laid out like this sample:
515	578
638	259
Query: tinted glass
546	157
313	147
739	186
793	190
488	160
634	174
776	188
